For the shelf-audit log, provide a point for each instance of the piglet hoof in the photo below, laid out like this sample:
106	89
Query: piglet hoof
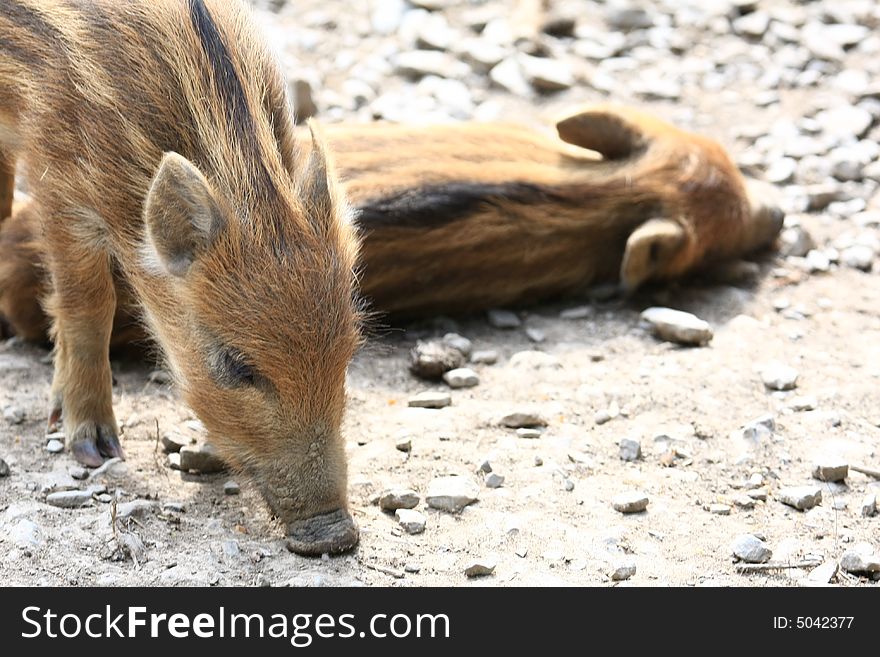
108	443
327	533
91	443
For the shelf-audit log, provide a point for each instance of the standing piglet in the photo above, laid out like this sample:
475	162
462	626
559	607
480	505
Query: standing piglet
157	143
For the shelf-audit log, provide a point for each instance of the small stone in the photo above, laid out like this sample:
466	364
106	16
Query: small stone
403	444
830	470
195	425
719	509
523	418
419	63
431	360
602	416
677	326
480	568
174	507
459	342
451	494
69	499
528	433
412	522
231	548
630	502
13	414
413	568
858	256
744	502
781	171
78	472
485	467
578	312
817	262
802	403
172	441
824	573
777	376
231	488
628	19
202	457
508	75
630	449
868	507
538	461
860	560
535	334
494	480
503	319
461	377
481	54
751	549
26	534
434	33
845	121
430	399
54	446
393	499
484	357
759	494
546	75
4	468
845	168
796	241
801	498
752	25
174	460
135	508
567	485
656	88
534	360
623	571
559	25
760	428
387	16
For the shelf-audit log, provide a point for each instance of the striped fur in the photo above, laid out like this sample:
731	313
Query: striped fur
163	127
468	216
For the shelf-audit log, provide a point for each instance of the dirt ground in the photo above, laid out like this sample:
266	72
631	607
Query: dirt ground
552	520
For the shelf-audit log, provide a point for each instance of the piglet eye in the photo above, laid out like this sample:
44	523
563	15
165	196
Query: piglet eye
231	369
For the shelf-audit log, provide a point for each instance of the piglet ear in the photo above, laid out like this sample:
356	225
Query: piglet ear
616	134
181	213
650	250
315	187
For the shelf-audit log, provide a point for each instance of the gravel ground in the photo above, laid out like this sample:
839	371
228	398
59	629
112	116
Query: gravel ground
743	449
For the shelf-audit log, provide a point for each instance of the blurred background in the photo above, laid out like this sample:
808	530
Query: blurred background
790	87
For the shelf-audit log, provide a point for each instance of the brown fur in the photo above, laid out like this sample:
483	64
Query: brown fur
595	217
583	218
184	183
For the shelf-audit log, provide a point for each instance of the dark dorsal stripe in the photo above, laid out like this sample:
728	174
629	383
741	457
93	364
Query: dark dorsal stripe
229	87
31	23
438	205
30	20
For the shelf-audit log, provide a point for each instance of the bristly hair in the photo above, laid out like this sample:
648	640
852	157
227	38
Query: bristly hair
230	89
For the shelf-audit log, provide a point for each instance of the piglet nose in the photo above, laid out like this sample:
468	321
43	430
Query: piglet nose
776	217
326	533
